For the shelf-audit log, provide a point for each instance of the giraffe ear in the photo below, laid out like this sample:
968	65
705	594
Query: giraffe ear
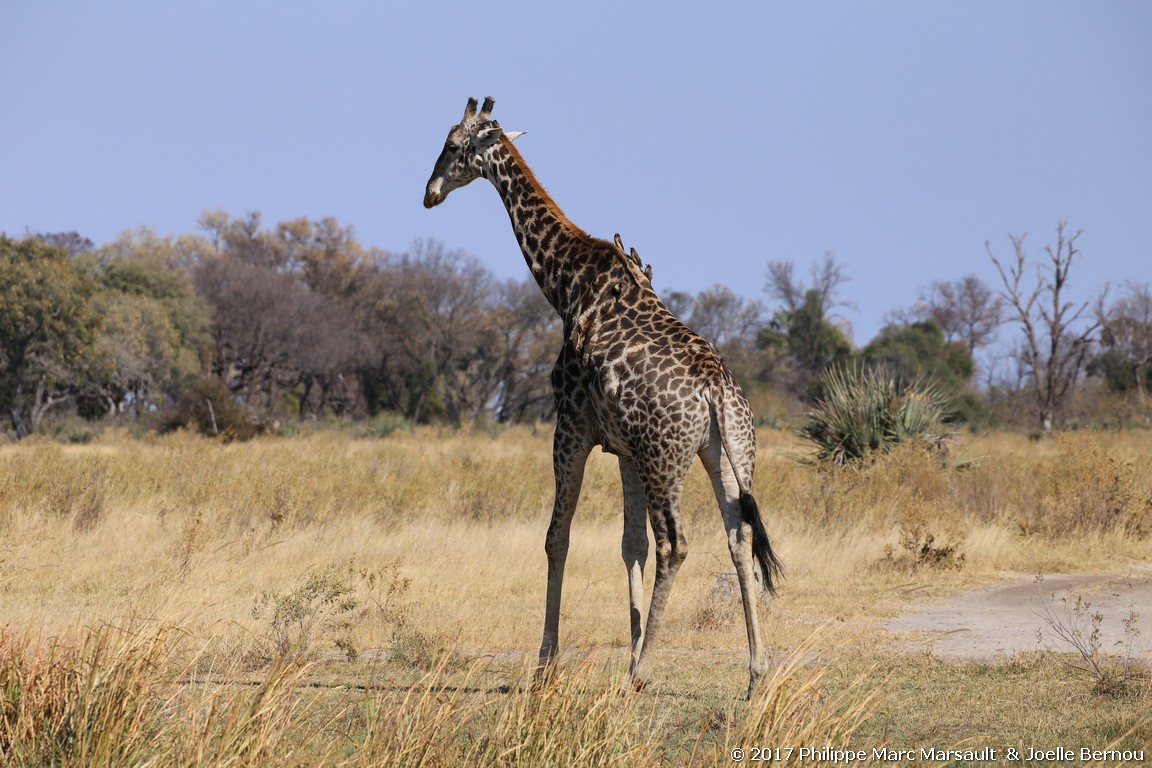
513	135
488	136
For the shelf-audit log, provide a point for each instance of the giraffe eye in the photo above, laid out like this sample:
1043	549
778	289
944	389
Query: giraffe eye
452	146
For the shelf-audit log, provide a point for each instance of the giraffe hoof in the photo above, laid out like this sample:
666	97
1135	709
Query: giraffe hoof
753	686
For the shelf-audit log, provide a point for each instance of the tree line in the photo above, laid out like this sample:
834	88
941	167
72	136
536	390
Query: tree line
243	323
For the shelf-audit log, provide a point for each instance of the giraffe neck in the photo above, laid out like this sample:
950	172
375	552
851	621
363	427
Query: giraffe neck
562	257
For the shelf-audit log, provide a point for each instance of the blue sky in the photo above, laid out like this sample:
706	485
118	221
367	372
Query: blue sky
898	135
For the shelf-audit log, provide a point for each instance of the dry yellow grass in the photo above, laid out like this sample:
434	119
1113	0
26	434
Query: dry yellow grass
430	542
185	525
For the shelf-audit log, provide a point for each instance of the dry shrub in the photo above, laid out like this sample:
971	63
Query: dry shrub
1077	625
919	548
1084	488
1059	489
982	487
210	408
879	493
715	611
908	493
327	606
722	604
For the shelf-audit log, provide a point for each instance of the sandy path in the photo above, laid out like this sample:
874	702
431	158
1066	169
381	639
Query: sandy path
1003	619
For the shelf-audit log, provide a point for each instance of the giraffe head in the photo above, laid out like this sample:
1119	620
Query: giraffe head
462	159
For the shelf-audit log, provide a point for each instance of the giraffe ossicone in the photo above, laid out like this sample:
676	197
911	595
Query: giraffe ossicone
631	378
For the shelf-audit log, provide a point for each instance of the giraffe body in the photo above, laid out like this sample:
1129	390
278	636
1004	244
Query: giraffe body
631	378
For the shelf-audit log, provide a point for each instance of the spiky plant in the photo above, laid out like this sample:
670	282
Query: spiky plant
866	409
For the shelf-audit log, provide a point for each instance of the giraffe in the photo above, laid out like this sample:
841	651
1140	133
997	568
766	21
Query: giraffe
632	379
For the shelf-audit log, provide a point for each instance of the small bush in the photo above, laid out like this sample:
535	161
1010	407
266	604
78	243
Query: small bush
919	548
1078	626
1088	489
328	605
208	407
70	430
383	424
869	410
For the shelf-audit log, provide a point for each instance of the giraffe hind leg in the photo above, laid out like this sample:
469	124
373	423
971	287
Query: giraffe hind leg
634	550
671	550
741	540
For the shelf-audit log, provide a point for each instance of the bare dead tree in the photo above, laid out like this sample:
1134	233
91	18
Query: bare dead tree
966	310
827	277
1057	334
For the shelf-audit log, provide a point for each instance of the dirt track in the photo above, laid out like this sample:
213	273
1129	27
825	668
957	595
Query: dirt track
1003	619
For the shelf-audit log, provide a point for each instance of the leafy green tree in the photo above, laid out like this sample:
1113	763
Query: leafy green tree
47	325
176	253
815	343
155	333
1125	360
918	351
807	343
803	340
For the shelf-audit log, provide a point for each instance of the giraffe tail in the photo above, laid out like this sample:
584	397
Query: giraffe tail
771	569
770	566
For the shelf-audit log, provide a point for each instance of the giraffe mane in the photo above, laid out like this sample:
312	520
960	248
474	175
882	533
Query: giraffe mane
553	207
632	266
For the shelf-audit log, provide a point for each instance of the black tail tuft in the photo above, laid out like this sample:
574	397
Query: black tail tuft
770	566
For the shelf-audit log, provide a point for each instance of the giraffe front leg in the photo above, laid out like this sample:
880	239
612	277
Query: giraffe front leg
634	550
570	450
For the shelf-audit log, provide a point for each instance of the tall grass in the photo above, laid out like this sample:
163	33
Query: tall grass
339	601
90	704
115	698
795	709
203	529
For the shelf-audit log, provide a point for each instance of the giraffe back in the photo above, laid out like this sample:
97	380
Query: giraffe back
651	381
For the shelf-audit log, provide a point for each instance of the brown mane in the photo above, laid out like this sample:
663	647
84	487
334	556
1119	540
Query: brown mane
553	208
635	271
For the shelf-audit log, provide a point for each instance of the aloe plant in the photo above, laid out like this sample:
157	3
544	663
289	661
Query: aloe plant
865	410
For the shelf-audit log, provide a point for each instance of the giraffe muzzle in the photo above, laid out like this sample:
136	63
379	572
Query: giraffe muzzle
432	195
